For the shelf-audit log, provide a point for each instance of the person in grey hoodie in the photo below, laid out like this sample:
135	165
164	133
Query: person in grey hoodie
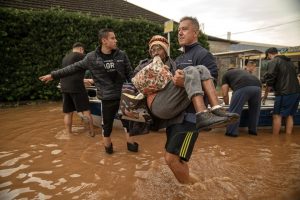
110	68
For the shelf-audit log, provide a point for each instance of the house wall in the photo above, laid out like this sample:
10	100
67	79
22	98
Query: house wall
218	46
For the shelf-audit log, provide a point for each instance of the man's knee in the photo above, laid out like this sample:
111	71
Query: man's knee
276	117
87	113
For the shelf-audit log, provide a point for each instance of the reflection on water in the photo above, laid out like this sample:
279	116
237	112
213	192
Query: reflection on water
38	160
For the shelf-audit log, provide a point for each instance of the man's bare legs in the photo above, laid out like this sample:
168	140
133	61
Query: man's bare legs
277	119
276	124
89	118
179	168
289	124
68	122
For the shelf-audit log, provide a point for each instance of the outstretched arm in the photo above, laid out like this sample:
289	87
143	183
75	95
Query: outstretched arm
46	78
88	82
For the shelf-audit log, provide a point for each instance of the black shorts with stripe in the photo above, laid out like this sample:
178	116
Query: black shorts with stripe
181	139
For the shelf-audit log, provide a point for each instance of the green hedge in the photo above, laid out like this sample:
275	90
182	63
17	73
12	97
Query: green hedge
33	43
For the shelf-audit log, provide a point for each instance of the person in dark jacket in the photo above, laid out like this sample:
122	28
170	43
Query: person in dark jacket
246	89
181	137
110	68
282	77
74	94
169	103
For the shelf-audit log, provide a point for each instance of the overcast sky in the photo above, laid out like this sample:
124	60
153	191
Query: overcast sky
277	21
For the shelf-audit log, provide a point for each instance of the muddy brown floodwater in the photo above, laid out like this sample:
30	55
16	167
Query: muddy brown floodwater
39	161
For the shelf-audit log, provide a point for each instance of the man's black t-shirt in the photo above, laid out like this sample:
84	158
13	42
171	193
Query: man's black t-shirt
73	83
237	78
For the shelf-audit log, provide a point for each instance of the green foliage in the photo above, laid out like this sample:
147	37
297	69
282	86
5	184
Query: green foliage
33	43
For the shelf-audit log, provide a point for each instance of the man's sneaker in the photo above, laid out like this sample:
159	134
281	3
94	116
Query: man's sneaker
110	149
232	117
206	120
134	147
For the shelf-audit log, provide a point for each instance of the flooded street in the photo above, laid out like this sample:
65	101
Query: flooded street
39	161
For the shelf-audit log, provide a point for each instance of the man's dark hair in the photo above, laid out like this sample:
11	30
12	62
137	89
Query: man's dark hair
103	33
272	50
78	44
